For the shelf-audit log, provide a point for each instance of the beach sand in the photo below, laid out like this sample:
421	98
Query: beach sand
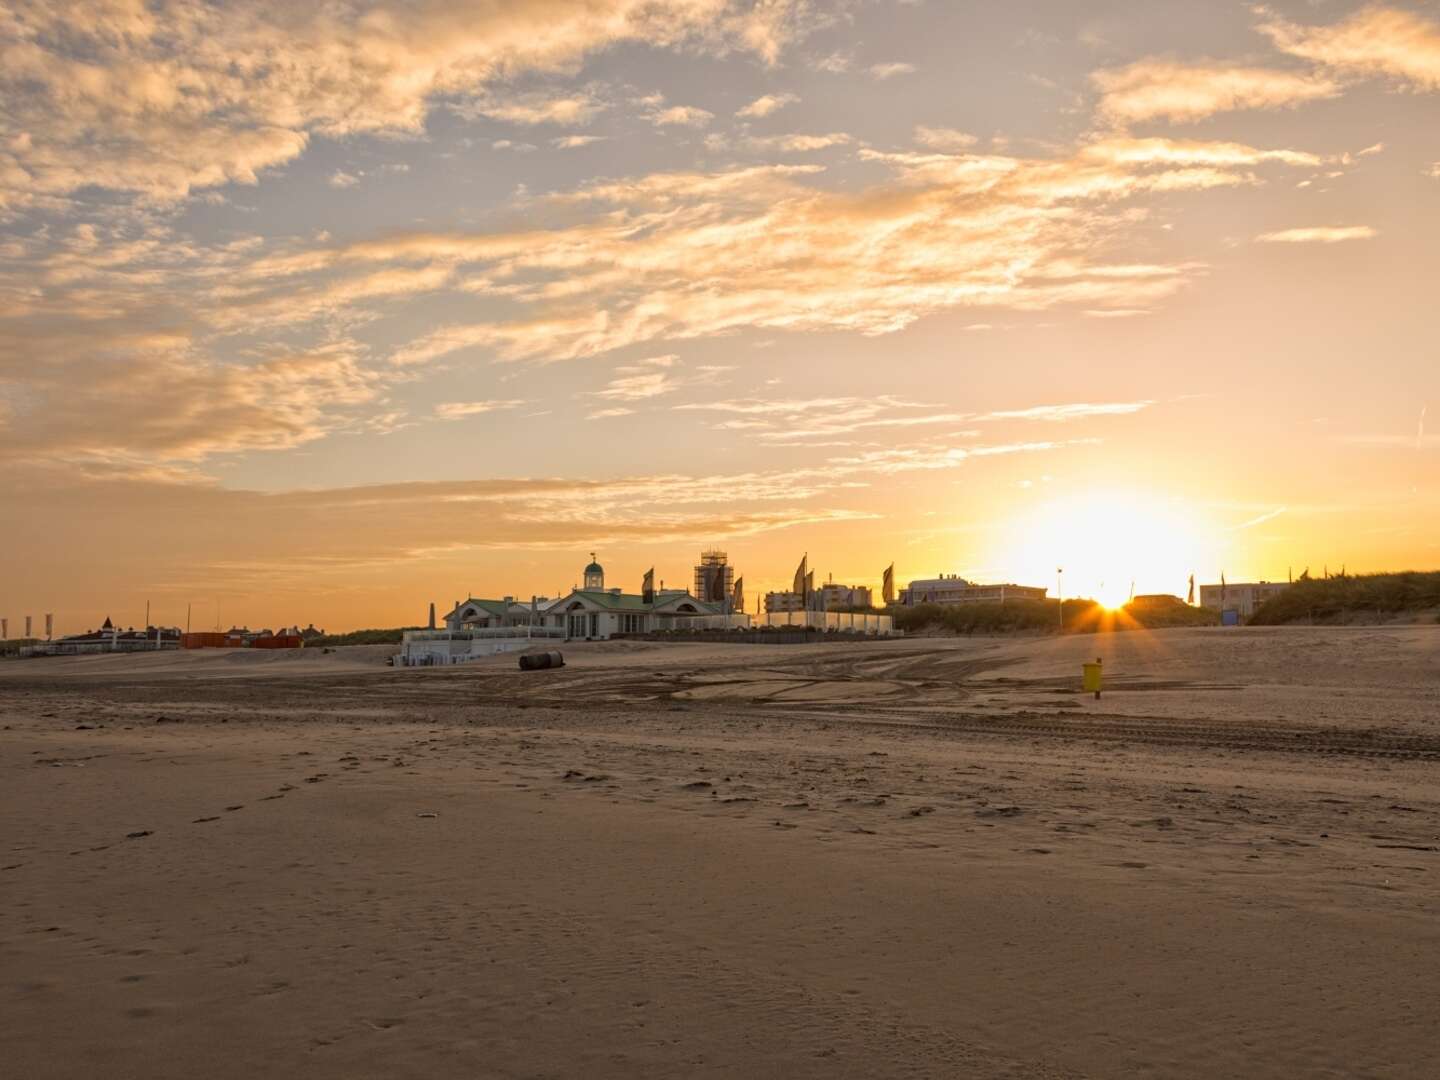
913	858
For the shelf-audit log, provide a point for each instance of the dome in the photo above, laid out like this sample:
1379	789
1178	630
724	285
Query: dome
594	574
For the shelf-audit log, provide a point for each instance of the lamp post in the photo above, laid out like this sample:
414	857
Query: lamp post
1060	594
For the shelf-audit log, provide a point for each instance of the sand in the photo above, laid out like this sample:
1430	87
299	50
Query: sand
896	859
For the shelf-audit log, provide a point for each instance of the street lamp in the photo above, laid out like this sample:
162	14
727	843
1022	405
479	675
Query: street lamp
1060	594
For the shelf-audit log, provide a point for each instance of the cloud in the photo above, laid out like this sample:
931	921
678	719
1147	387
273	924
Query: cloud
1069	411
150	399
1259	519
608	414
681	116
1376	41
572	142
947	140
1318	234
805	419
340	179
536	107
765	105
1181	152
692	254
655	377
639	387
163	99
1170	90
459	410
613	264
891	70
797	144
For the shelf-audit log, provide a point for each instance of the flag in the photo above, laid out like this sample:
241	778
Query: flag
1222	589
800	576
887	590
1190	596
738	602
647	586
809	587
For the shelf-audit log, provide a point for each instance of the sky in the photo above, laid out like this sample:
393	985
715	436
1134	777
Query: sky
320	313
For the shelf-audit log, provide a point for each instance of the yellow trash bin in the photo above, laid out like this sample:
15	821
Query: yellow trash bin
1090	679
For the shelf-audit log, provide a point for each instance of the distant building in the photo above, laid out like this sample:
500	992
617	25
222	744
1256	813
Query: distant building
777	602
1155	601
110	638
835	597
714	578
953	589
242	637
473	614
1240	597
827	597
477	627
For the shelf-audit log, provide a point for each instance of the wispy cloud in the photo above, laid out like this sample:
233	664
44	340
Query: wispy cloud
1179	92
1318	234
803	420
947	140
1076	410
533	108
163	101
690	254
459	410
765	105
1375	41
891	70
573	142
682	116
797	143
1259	520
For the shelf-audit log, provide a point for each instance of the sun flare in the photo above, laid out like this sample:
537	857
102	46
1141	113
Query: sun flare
1106	545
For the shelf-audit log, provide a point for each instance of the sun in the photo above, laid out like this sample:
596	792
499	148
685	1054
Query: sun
1105	545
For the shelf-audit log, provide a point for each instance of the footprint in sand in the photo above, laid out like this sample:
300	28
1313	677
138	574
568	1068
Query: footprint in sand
202	820
237	806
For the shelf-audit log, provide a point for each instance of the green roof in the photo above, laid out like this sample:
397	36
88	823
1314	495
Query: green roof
491	607
614	601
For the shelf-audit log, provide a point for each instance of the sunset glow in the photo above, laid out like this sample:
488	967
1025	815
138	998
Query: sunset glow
324	313
1107	543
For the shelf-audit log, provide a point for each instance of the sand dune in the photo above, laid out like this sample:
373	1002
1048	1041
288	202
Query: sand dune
909	858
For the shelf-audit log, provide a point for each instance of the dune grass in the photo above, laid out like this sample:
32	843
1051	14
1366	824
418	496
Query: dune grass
389	636
1352	597
1042	616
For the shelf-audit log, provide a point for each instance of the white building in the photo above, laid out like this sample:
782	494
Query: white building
476	614
828	597
953	589
835	597
779	602
476	627
1241	597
